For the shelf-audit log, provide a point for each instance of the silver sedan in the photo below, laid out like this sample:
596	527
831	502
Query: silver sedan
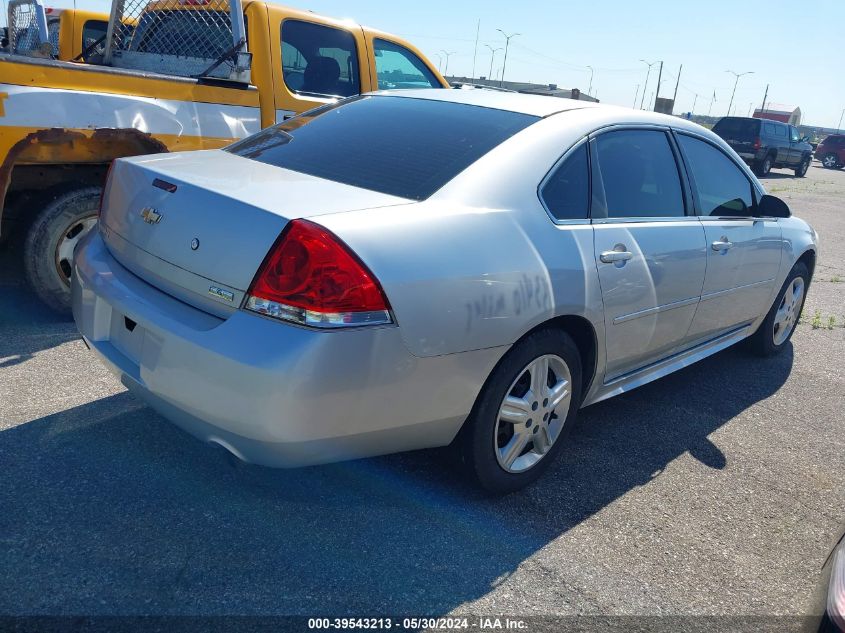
408	270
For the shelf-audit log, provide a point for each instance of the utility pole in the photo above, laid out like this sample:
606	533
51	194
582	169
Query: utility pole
657	94
439	63
590	89
712	101
492	57
765	96
636	94
475	52
737	75
645	85
507	44
694	101
448	54
839	125
677	83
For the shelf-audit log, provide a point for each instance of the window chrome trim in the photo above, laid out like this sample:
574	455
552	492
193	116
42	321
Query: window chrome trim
558	163
662	218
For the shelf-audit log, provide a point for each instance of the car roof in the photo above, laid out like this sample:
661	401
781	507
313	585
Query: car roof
536	105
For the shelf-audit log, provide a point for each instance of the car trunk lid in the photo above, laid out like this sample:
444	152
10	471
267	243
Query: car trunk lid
198	225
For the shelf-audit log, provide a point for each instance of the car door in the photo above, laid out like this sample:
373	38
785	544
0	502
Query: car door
743	251
315	60
796	147
782	143
649	253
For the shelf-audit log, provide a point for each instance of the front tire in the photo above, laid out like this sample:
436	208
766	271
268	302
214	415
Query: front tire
802	168
52	236
779	325
524	413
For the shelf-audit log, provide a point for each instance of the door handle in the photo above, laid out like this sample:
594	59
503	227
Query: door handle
722	245
611	257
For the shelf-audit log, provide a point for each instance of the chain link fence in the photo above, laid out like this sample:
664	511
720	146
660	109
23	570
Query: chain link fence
24	30
177	37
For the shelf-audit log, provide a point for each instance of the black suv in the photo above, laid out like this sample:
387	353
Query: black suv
764	144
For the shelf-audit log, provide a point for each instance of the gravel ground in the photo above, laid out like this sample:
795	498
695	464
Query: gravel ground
717	490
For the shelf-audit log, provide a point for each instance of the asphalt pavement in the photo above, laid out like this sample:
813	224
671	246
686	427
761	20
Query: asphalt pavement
716	490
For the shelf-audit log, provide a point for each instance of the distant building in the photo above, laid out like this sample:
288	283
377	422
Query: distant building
550	90
779	112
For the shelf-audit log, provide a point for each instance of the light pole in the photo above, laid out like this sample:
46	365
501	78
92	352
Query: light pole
492	57
590	89
439	63
448	54
507	44
737	75
694	101
645	85
636	94
839	125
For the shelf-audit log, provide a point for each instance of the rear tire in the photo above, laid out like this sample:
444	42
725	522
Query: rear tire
543	423
830	161
763	167
803	166
772	336
52	236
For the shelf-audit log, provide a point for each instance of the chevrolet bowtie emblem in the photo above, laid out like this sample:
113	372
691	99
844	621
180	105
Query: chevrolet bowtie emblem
150	215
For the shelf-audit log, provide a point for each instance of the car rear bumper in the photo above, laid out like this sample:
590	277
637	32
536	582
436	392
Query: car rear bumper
269	392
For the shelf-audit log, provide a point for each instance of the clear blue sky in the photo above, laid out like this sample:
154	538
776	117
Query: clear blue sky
782	41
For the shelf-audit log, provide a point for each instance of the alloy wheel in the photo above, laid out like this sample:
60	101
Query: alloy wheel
533	413
788	311
830	161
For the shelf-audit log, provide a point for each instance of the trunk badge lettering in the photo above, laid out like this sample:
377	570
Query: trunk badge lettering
150	215
221	294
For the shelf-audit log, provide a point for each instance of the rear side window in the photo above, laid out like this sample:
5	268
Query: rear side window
566	192
397	68
737	129
722	188
400	146
638	174
319	60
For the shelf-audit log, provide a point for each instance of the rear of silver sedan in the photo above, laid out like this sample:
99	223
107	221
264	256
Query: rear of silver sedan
214	293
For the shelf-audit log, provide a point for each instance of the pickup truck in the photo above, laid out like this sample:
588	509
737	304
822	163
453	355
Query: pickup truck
765	144
75	33
62	123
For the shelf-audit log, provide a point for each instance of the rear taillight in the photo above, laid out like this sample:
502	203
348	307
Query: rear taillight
103	191
312	278
757	143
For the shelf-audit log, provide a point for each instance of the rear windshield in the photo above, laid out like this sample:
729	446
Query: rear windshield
400	146
737	129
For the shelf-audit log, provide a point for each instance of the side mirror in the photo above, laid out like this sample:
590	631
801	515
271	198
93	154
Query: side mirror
772	207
